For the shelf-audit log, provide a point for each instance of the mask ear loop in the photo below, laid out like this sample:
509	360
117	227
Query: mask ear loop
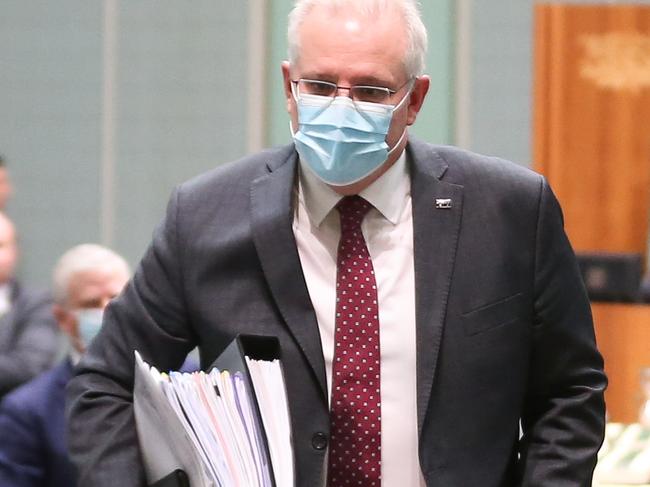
397	107
295	98
394	148
406	96
293	91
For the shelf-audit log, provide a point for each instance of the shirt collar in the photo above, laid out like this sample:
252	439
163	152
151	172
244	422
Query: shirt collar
74	355
5	291
388	194
5	298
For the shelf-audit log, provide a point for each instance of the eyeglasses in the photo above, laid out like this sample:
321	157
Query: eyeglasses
360	93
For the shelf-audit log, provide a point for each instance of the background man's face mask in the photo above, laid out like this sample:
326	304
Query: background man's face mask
342	141
89	322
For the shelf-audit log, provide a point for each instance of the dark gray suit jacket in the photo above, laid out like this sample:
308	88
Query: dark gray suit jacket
28	337
504	328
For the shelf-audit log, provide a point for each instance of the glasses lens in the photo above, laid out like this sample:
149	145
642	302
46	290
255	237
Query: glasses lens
371	94
313	87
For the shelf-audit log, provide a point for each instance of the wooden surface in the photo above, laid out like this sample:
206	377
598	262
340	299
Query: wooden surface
623	336
592	119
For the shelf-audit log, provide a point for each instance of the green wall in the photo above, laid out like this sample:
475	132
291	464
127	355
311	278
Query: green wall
178	100
500	92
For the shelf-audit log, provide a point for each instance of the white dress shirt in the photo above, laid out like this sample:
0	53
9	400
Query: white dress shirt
388	230
5	299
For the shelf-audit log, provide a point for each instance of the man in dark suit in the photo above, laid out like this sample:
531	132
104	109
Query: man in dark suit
448	282
33	451
28	334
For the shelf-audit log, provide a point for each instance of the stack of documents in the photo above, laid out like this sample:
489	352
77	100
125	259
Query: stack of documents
223	428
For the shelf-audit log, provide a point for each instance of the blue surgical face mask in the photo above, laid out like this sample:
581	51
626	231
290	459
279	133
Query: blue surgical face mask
89	322
342	141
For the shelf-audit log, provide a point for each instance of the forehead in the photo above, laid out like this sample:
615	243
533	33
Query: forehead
345	44
95	283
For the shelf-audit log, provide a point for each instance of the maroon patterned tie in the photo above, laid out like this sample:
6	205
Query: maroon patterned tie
355	416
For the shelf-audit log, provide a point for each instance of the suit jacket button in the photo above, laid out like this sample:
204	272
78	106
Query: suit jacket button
319	441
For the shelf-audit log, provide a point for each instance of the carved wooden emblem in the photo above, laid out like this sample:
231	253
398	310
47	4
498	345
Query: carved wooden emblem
617	60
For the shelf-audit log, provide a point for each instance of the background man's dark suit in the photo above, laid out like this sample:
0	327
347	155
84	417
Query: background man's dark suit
33	450
503	323
28	337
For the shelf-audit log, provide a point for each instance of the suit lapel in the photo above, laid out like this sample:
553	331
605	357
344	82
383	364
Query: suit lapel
6	331
436	226
436	232
272	218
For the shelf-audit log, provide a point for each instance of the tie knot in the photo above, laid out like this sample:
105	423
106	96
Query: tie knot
352	210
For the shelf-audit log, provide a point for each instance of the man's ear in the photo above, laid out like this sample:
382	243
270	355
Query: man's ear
286	76
63	318
416	98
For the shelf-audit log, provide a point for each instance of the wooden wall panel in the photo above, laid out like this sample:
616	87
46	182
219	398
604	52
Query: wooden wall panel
592	120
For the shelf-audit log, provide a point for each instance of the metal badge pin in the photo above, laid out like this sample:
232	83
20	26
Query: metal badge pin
443	203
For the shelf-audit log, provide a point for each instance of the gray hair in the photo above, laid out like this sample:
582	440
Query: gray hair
415	30
83	258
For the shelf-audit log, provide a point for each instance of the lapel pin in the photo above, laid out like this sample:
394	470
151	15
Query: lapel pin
443	203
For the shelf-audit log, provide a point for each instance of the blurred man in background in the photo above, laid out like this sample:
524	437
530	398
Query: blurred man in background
32	422
28	334
6	189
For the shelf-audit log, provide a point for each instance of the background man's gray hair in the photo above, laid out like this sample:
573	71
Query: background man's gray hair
413	27
82	258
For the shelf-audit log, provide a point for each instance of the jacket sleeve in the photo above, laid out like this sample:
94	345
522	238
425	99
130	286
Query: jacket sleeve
35	344
21	454
149	316
564	412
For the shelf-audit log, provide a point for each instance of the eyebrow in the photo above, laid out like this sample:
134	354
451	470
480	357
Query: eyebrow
366	80
318	77
372	81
